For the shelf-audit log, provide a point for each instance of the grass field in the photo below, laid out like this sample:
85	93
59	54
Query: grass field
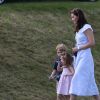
29	33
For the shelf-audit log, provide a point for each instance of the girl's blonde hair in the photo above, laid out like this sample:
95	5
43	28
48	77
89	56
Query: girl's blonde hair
61	47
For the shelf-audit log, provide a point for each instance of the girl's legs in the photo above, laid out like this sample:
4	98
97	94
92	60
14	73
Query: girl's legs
60	97
73	97
96	97
67	97
63	97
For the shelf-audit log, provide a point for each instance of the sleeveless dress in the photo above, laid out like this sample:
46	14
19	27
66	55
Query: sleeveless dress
64	82
83	82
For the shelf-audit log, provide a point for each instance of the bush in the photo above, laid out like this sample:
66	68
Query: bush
51	0
2	1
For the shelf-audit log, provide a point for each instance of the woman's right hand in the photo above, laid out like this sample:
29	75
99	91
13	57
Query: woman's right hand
75	49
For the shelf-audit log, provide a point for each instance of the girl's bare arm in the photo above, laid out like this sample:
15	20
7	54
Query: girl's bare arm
52	74
91	41
71	71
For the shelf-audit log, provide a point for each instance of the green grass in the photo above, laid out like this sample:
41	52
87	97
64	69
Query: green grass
29	33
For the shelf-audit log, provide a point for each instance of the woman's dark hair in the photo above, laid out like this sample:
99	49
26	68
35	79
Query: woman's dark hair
81	18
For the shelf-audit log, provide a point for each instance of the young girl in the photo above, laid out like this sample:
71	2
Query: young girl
66	76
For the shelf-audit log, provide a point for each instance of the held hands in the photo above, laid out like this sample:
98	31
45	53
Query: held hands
59	67
75	49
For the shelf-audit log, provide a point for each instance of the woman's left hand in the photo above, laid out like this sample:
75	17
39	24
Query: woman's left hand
75	49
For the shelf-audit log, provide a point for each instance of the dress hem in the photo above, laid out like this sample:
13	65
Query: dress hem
85	94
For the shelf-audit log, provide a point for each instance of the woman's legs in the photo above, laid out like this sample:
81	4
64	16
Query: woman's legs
73	97
96	97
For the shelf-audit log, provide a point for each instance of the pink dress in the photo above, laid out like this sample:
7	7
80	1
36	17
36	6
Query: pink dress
64	82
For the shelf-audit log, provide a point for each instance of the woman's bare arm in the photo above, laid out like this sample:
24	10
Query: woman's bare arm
91	41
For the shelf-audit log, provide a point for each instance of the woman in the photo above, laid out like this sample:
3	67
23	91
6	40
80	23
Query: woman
83	81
